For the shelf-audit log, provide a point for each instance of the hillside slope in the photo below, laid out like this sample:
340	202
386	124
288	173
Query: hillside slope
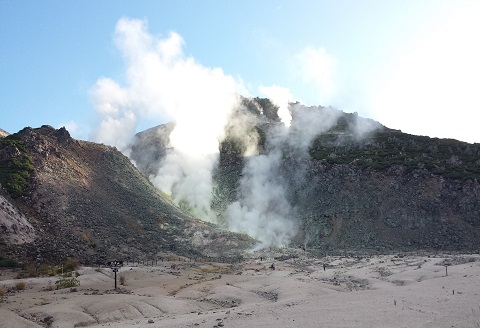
87	201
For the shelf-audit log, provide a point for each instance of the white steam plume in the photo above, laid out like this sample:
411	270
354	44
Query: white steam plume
164	84
317	69
264	210
281	97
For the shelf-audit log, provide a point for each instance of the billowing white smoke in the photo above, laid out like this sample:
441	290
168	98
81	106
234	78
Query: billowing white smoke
162	83
263	209
281	97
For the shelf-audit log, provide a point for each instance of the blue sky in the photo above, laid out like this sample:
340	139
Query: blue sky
412	65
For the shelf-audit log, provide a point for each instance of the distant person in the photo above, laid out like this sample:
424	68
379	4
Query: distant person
272	267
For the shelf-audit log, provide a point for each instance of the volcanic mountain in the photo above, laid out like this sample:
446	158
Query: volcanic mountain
62	197
357	185
352	185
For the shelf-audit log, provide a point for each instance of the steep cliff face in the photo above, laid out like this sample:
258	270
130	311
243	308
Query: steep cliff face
360	185
347	206
89	202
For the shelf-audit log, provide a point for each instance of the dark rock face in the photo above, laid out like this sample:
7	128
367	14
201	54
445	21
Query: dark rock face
350	207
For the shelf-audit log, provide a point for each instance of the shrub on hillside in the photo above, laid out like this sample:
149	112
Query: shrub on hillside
16	169
20	285
70	265
7	263
67	283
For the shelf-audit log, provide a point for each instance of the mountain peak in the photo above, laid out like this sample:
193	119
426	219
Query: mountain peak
3	133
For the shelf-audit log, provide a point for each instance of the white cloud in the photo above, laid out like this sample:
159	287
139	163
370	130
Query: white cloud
317	69
76	130
433	87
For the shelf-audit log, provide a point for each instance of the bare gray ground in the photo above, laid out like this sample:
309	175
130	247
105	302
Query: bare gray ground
376	291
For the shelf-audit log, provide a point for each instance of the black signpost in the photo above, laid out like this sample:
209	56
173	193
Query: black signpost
115	265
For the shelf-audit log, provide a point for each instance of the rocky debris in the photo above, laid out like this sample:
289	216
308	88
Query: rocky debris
271	296
221	302
14	225
118	291
91	291
350	283
384	272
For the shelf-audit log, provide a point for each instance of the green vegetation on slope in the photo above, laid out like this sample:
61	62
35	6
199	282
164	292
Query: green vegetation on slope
384	149
6	262
15	165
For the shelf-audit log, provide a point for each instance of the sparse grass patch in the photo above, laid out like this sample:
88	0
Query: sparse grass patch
30	270
21	285
67	274
70	265
67	283
45	270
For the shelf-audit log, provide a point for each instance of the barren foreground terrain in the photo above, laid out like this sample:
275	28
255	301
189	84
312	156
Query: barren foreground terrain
373	291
